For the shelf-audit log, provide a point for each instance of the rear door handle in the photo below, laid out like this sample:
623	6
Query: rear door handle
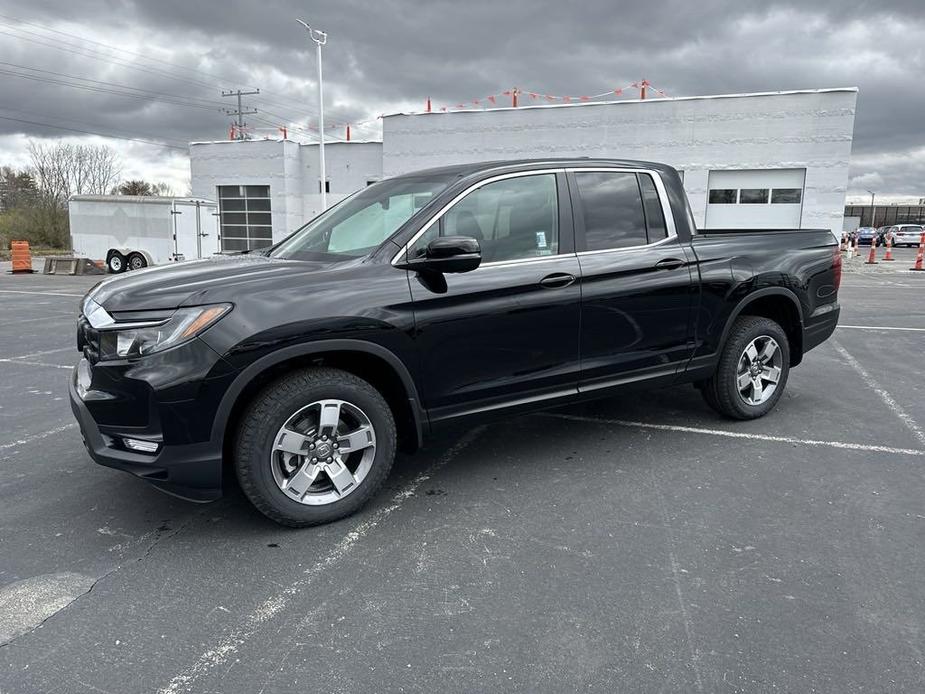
669	264
557	280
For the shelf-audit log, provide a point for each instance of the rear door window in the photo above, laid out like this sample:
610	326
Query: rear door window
612	207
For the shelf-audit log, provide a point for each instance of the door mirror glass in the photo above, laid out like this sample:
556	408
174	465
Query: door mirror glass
447	254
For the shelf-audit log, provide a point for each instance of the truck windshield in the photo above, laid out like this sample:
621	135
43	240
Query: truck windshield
357	225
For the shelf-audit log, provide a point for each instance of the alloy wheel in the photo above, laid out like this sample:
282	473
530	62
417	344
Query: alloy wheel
323	452
759	370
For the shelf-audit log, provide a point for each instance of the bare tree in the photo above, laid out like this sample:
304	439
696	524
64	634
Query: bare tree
62	170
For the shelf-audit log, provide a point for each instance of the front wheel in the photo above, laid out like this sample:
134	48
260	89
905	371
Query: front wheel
752	370
116	262
314	446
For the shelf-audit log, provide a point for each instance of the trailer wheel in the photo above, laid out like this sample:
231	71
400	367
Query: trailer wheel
136	261
116	262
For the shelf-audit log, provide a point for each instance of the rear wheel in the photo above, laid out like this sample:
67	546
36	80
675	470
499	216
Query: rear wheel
136	261
314	446
752	370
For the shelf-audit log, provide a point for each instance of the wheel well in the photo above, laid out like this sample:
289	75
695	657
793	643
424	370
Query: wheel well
784	312
373	369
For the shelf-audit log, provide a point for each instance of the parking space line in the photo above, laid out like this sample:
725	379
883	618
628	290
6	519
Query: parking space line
275	605
737	434
36	363
71	348
37	437
881	327
38	293
888	399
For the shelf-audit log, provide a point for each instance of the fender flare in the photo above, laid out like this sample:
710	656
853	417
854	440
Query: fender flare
246	376
754	296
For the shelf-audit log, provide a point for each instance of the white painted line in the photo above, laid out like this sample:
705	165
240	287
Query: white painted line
273	606
740	435
881	327
35	363
37	437
22	291
72	348
888	399
676	574
48	319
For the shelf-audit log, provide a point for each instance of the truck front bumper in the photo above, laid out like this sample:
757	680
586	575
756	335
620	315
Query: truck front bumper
192	471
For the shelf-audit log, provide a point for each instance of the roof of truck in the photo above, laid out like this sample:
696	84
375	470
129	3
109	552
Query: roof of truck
463	170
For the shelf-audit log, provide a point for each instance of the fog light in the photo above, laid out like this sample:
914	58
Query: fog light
141	445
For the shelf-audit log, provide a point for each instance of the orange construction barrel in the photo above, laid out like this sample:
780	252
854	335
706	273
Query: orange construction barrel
22	256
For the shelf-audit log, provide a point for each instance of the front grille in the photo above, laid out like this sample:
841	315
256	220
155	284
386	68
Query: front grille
88	340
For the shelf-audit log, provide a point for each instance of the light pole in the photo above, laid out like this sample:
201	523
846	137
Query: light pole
320	38
873	210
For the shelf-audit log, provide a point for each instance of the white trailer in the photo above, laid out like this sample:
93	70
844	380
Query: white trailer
129	232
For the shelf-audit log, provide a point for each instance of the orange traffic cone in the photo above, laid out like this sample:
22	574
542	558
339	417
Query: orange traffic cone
889	249
920	256
872	256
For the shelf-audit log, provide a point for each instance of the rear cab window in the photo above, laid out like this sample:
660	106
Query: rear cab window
619	209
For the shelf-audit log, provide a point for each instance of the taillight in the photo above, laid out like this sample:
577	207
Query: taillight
836	268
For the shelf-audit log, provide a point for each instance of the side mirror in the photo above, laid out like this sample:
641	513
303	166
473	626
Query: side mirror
447	254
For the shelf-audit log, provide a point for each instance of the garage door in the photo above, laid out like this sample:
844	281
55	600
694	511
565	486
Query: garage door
755	198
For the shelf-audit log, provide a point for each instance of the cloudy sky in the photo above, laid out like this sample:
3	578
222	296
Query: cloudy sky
153	72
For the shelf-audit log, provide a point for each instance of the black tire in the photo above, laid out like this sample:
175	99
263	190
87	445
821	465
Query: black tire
136	261
721	391
115	263
272	408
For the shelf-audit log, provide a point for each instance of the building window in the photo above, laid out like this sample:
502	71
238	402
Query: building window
753	196
786	196
245	217
723	196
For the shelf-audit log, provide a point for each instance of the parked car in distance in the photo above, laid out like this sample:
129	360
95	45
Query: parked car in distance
866	234
907	234
450	294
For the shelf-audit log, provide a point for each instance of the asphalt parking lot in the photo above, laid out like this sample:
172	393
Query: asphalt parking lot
638	544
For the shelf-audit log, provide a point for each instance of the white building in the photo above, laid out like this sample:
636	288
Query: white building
748	160
268	188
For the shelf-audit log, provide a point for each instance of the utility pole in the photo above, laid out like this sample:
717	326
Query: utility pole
320	38
873	211
240	113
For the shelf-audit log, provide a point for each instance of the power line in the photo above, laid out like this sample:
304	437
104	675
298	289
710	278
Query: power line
98	55
214	105
90	132
68	119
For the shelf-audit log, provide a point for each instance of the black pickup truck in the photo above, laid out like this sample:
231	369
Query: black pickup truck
455	292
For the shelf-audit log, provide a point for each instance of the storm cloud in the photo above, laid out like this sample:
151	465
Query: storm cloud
164	83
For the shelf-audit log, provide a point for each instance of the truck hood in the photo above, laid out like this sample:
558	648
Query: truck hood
197	282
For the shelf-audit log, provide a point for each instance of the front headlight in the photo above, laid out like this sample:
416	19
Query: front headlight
183	325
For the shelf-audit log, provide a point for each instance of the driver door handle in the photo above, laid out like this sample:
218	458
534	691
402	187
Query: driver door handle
669	264
557	280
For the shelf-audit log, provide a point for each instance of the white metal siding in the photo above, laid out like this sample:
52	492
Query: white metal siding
809	130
